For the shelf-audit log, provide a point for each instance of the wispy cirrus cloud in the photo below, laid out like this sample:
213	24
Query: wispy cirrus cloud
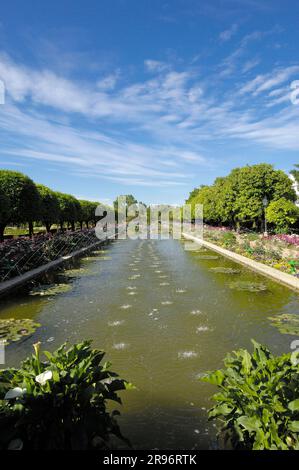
154	132
227	34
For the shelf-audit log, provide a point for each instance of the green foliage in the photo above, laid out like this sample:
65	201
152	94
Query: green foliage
295	173
129	200
229	239
5	208
21	196
258	401
192	195
87	211
69	208
224	270
60	403
12	330
287	323
282	214
49	206
248	286
236	200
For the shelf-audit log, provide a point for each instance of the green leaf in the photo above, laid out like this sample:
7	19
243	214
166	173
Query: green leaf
219	410
246	362
251	424
215	378
294	405
294	426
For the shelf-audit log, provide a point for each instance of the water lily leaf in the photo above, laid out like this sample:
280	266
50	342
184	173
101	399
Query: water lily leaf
76	272
248	286
224	270
287	323
12	330
48	290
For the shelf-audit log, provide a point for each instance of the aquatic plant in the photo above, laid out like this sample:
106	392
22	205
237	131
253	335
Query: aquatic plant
51	289
60	403
257	406
225	270
76	272
248	286
207	257
12	330
287	323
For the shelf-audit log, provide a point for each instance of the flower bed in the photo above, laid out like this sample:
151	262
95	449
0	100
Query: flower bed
278	251
20	255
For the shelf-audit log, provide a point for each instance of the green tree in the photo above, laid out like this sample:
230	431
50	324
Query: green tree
282	214
87	213
192	195
129	198
295	173
253	183
5	211
23	197
49	206
237	199
207	197
69	209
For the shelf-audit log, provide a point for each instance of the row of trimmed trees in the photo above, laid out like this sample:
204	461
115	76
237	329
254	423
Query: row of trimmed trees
22	201
245	196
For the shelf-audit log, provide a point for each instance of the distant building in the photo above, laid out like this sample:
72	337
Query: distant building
296	188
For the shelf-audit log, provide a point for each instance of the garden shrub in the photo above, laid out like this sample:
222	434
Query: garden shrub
258	401
60	403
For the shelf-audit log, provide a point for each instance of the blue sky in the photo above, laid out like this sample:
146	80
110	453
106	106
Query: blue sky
148	97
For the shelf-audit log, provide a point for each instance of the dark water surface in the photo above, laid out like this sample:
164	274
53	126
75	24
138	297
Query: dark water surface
164	318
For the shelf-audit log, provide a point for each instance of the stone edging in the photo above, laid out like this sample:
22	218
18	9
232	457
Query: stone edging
268	271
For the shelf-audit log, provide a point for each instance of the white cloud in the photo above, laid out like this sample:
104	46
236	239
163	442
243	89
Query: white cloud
229	33
155	65
174	114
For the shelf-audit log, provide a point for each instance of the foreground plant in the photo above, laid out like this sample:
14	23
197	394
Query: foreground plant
258	402
60	403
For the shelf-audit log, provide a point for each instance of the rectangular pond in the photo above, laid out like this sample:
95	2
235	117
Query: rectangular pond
164	315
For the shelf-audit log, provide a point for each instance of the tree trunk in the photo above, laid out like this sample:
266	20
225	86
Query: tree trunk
30	224
2	228
81	225
86	223
73	226
48	227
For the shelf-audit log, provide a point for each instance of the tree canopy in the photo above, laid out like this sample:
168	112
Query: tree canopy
49	206
237	199
22	197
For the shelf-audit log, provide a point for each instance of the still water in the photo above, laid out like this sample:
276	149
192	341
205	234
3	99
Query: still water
164	317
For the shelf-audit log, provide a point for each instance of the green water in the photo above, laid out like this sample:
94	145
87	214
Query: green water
164	318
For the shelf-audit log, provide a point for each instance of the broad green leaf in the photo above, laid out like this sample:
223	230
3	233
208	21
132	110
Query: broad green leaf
294	405
251	424
294	426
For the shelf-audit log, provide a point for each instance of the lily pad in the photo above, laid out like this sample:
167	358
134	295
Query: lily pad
12	330
287	323
76	272
52	289
248	286
224	270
